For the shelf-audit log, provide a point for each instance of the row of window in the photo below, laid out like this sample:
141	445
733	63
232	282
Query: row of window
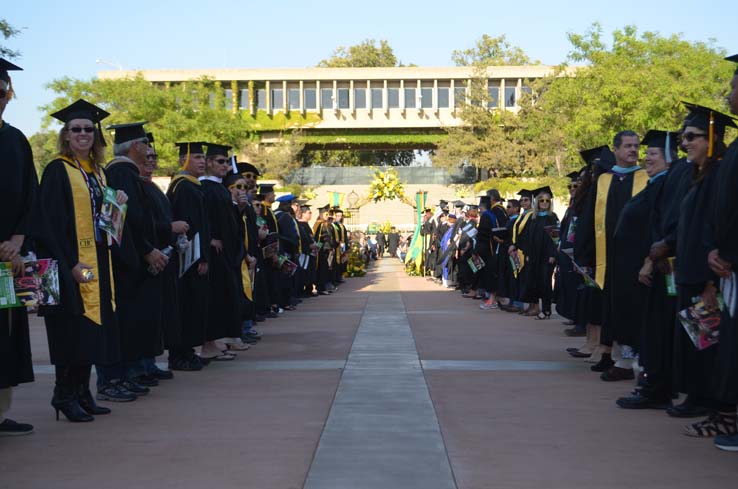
364	98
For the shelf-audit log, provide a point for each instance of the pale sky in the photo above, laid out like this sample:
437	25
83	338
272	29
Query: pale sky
66	38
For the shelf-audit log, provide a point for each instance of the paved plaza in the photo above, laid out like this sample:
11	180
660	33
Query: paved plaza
391	383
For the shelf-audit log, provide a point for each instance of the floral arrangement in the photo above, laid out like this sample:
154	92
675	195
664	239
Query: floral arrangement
356	267
386	186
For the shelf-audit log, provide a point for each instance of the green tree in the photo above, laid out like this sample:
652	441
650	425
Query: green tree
8	31
279	159
43	145
190	111
491	51
366	54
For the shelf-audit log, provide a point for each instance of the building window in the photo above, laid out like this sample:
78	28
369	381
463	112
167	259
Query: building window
377	102
360	98
393	98
293	98
277	98
343	98
410	102
442	98
228	99
426	98
244	102
310	101
509	96
493	94
459	96
326	98
261	99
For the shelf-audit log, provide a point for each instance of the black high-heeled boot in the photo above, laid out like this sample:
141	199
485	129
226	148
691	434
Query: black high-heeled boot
65	397
84	396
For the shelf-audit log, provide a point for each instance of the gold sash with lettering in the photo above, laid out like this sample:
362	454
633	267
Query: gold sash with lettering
86	249
640	180
245	272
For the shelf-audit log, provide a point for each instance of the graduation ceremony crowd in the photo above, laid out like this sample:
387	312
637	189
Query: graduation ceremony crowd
123	304
635	246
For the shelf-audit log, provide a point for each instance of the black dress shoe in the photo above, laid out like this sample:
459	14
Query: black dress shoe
578	354
639	401
687	410
162	374
615	374
146	380
259	318
604	364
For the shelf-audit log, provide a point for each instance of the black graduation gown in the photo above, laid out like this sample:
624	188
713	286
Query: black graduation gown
524	243
631	244
393	241
437	237
507	286
619	193
535	282
567	280
138	294
161	212
693	369
188	204
73	338
224	267
18	190
589	299
323	234
306	235
725	225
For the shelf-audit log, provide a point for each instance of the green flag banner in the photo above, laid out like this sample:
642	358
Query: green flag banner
415	252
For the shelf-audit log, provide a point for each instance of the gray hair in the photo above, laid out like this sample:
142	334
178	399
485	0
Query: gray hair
122	149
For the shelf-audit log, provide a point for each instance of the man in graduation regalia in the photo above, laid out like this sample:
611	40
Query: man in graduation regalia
137	265
188	204
596	228
492	221
18	189
309	249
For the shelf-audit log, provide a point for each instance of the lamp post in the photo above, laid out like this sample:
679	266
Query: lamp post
109	63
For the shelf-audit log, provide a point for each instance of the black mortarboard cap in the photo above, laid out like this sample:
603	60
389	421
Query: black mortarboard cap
266	188
231	178
81	109
734	59
700	116
127	132
150	137
5	67
542	190
590	155
573	175
459	203
661	139
486	201
337	209
473	207
607	159
526	193
324	208
305	206
247	168
217	150
193	148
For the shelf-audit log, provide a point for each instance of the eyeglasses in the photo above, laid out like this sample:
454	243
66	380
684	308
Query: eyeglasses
221	161
78	130
239	186
544	200
248	175
691	136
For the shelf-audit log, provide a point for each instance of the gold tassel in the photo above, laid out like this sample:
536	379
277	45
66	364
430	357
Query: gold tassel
187	156
710	135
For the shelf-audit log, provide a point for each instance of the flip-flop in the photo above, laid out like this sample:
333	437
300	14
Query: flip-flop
224	357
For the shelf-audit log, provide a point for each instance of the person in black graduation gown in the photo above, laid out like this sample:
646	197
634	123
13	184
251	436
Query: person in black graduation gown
224	265
489	245
136	269
188	204
324	236
541	259
274	279
18	189
291	243
309	248
695	370
381	243
82	329
507	285
723	260
438	233
631	244
393	241
658	319
167	232
567	280
519	248
596	227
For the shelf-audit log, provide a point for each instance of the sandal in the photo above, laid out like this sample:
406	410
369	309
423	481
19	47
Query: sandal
542	316
531	314
716	424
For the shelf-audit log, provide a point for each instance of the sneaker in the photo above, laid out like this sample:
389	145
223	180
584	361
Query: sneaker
184	365
11	428
161	374
728	443
146	380
111	392
488	306
133	387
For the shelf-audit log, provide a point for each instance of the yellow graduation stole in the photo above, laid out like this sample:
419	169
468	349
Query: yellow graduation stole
84	225
517	229
640	180
177	179
245	273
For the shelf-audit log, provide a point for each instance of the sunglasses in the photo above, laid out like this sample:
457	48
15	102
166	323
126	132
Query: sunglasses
78	130
544	200
221	161
691	136
3	93
248	175
239	186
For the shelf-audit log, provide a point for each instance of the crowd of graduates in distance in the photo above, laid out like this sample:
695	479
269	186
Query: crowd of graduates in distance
644	263
124	303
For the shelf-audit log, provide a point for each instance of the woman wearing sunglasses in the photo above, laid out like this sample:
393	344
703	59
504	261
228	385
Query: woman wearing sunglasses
82	330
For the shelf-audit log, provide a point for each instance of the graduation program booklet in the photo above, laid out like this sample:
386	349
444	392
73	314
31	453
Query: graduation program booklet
189	253
475	263
112	215
286	265
7	287
270	245
701	323
39	283
729	290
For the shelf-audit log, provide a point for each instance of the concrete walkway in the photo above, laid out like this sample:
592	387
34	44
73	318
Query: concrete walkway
392	382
